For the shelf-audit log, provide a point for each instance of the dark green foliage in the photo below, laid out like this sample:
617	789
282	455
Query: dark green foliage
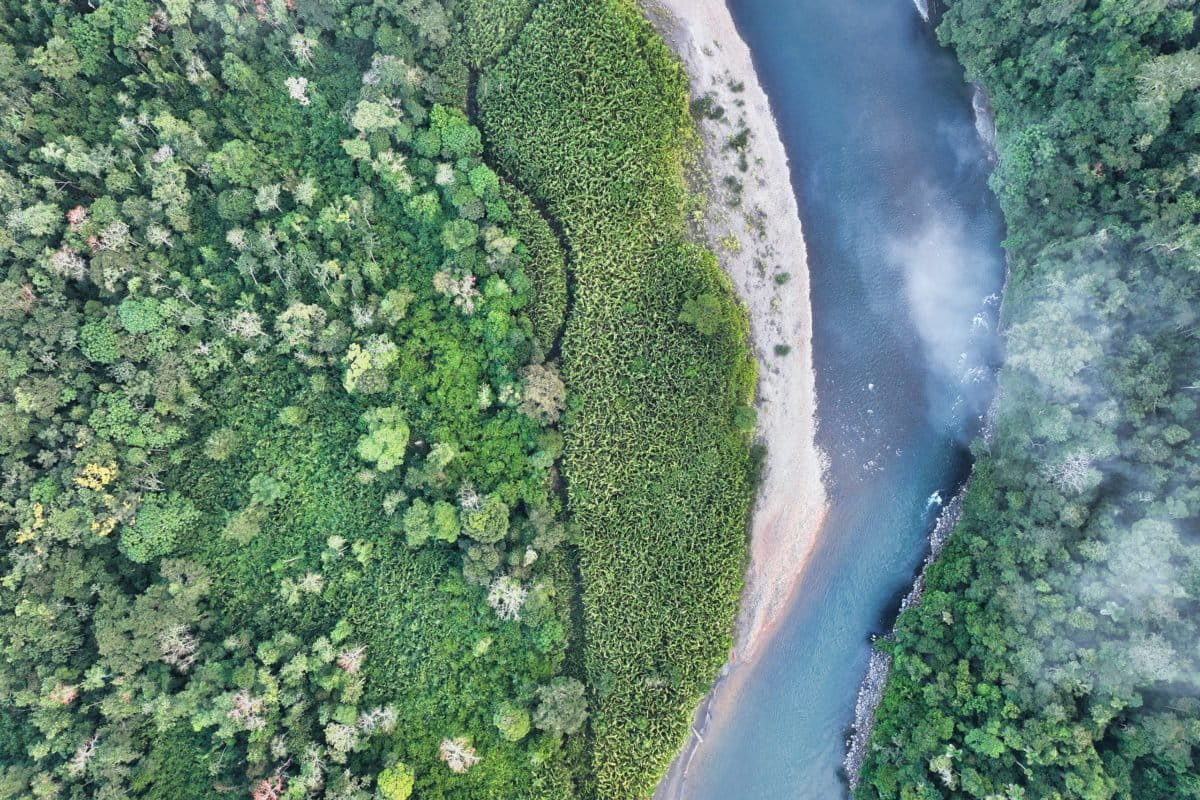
545	264
491	26
255	342
1054	653
99	342
139	316
588	113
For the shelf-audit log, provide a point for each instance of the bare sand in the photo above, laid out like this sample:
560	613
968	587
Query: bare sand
753	225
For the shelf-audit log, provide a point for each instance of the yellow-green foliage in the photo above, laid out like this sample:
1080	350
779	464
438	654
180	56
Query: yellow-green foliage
588	113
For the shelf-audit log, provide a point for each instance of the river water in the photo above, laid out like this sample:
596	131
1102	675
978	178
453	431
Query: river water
904	251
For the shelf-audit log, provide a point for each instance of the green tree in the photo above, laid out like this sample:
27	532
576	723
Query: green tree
157	528
706	312
139	316
488	522
512	721
387	438
396	782
370	116
562	707
99	342
57	59
458	234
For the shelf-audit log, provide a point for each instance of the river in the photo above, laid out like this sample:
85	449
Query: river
906	267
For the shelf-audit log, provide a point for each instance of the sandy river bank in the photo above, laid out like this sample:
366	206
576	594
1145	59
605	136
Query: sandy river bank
753	225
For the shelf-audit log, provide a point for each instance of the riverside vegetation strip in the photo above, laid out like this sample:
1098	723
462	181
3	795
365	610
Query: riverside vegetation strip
284	435
1053	654
588	112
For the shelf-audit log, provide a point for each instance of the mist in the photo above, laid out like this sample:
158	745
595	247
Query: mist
951	282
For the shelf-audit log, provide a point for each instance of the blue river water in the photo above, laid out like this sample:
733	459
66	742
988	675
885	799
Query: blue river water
904	250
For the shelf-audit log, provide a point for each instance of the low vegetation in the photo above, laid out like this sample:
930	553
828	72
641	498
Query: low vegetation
588	113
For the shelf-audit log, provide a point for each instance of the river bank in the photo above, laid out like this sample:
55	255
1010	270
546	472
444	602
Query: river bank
880	666
870	693
752	223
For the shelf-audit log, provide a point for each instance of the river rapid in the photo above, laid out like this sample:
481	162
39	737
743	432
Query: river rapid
905	264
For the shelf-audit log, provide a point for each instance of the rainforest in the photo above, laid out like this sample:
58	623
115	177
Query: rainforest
353	441
394	397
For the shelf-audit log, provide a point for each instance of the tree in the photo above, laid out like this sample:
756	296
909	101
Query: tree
396	782
458	234
484	182
386	440
266	199
445	522
297	87
221	444
423	522
156	529
1074	474
459	137
235	205
458	754
488	523
178	646
563	706
506	596
543	396
705	312
139	316
57	59
367	365
370	116
237	162
512	721
418	523
99	342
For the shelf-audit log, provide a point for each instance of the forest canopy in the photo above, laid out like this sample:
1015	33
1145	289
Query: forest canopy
343	449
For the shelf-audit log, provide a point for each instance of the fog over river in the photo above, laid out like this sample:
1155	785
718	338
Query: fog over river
904	250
